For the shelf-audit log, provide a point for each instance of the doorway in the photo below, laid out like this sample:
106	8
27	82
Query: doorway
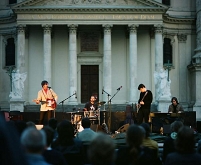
89	82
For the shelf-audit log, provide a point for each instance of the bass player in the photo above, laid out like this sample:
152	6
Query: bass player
144	103
47	97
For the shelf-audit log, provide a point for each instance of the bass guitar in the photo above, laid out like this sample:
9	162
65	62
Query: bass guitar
138	106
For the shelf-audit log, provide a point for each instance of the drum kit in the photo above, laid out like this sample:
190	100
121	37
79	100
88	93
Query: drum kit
94	116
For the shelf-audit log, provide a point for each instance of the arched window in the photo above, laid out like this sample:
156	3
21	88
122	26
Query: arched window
166	2
167	51
10	52
12	1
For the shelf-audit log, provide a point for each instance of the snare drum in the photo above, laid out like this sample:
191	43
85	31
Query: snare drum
77	119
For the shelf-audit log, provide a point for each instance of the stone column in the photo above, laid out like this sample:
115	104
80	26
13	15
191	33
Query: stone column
195	67
20	60
107	61
19	77
158	48
133	91
182	69
47	53
72	63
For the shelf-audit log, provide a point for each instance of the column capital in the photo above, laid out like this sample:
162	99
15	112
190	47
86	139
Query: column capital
158	28
72	28
47	28
21	29
182	37
107	27
133	28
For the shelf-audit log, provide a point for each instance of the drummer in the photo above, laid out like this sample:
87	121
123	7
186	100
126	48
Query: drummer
91	105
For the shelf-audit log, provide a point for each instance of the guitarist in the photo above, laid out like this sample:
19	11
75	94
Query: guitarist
144	102
47	97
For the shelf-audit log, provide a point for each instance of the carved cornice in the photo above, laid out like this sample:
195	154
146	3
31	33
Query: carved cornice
149	3
177	20
81	9
9	19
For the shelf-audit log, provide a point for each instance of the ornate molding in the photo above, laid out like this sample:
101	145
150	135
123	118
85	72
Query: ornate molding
9	19
170	19
171	37
133	28
91	10
182	37
107	28
21	29
47	29
72	28
158	28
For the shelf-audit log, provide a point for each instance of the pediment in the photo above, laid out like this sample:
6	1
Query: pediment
89	4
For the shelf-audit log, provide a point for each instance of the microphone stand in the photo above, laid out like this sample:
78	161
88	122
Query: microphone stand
109	109
62	102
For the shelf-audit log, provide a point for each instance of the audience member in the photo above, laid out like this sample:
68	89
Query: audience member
67	144
34	142
30	124
87	135
10	150
168	145
53	124
134	153
185	149
52	156
175	107
101	150
152	144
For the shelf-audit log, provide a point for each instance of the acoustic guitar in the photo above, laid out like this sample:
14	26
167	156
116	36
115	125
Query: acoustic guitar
50	102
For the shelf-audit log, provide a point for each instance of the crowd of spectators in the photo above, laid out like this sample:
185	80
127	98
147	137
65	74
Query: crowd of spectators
58	144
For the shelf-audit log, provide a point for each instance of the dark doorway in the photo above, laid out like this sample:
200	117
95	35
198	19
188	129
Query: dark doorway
89	82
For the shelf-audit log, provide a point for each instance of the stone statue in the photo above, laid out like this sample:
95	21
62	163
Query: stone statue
17	84
162	84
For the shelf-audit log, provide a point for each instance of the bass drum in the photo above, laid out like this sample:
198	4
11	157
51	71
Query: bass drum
91	114
79	127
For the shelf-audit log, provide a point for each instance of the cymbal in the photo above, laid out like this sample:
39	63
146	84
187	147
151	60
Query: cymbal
101	103
70	112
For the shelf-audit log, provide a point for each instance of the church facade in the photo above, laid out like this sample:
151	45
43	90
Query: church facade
102	47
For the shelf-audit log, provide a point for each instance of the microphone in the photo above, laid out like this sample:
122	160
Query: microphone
49	87
75	94
119	88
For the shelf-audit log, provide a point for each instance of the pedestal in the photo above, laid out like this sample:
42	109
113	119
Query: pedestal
163	105
17	105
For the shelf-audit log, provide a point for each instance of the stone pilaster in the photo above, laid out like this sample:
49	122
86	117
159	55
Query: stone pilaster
182	69
133	95
72	63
